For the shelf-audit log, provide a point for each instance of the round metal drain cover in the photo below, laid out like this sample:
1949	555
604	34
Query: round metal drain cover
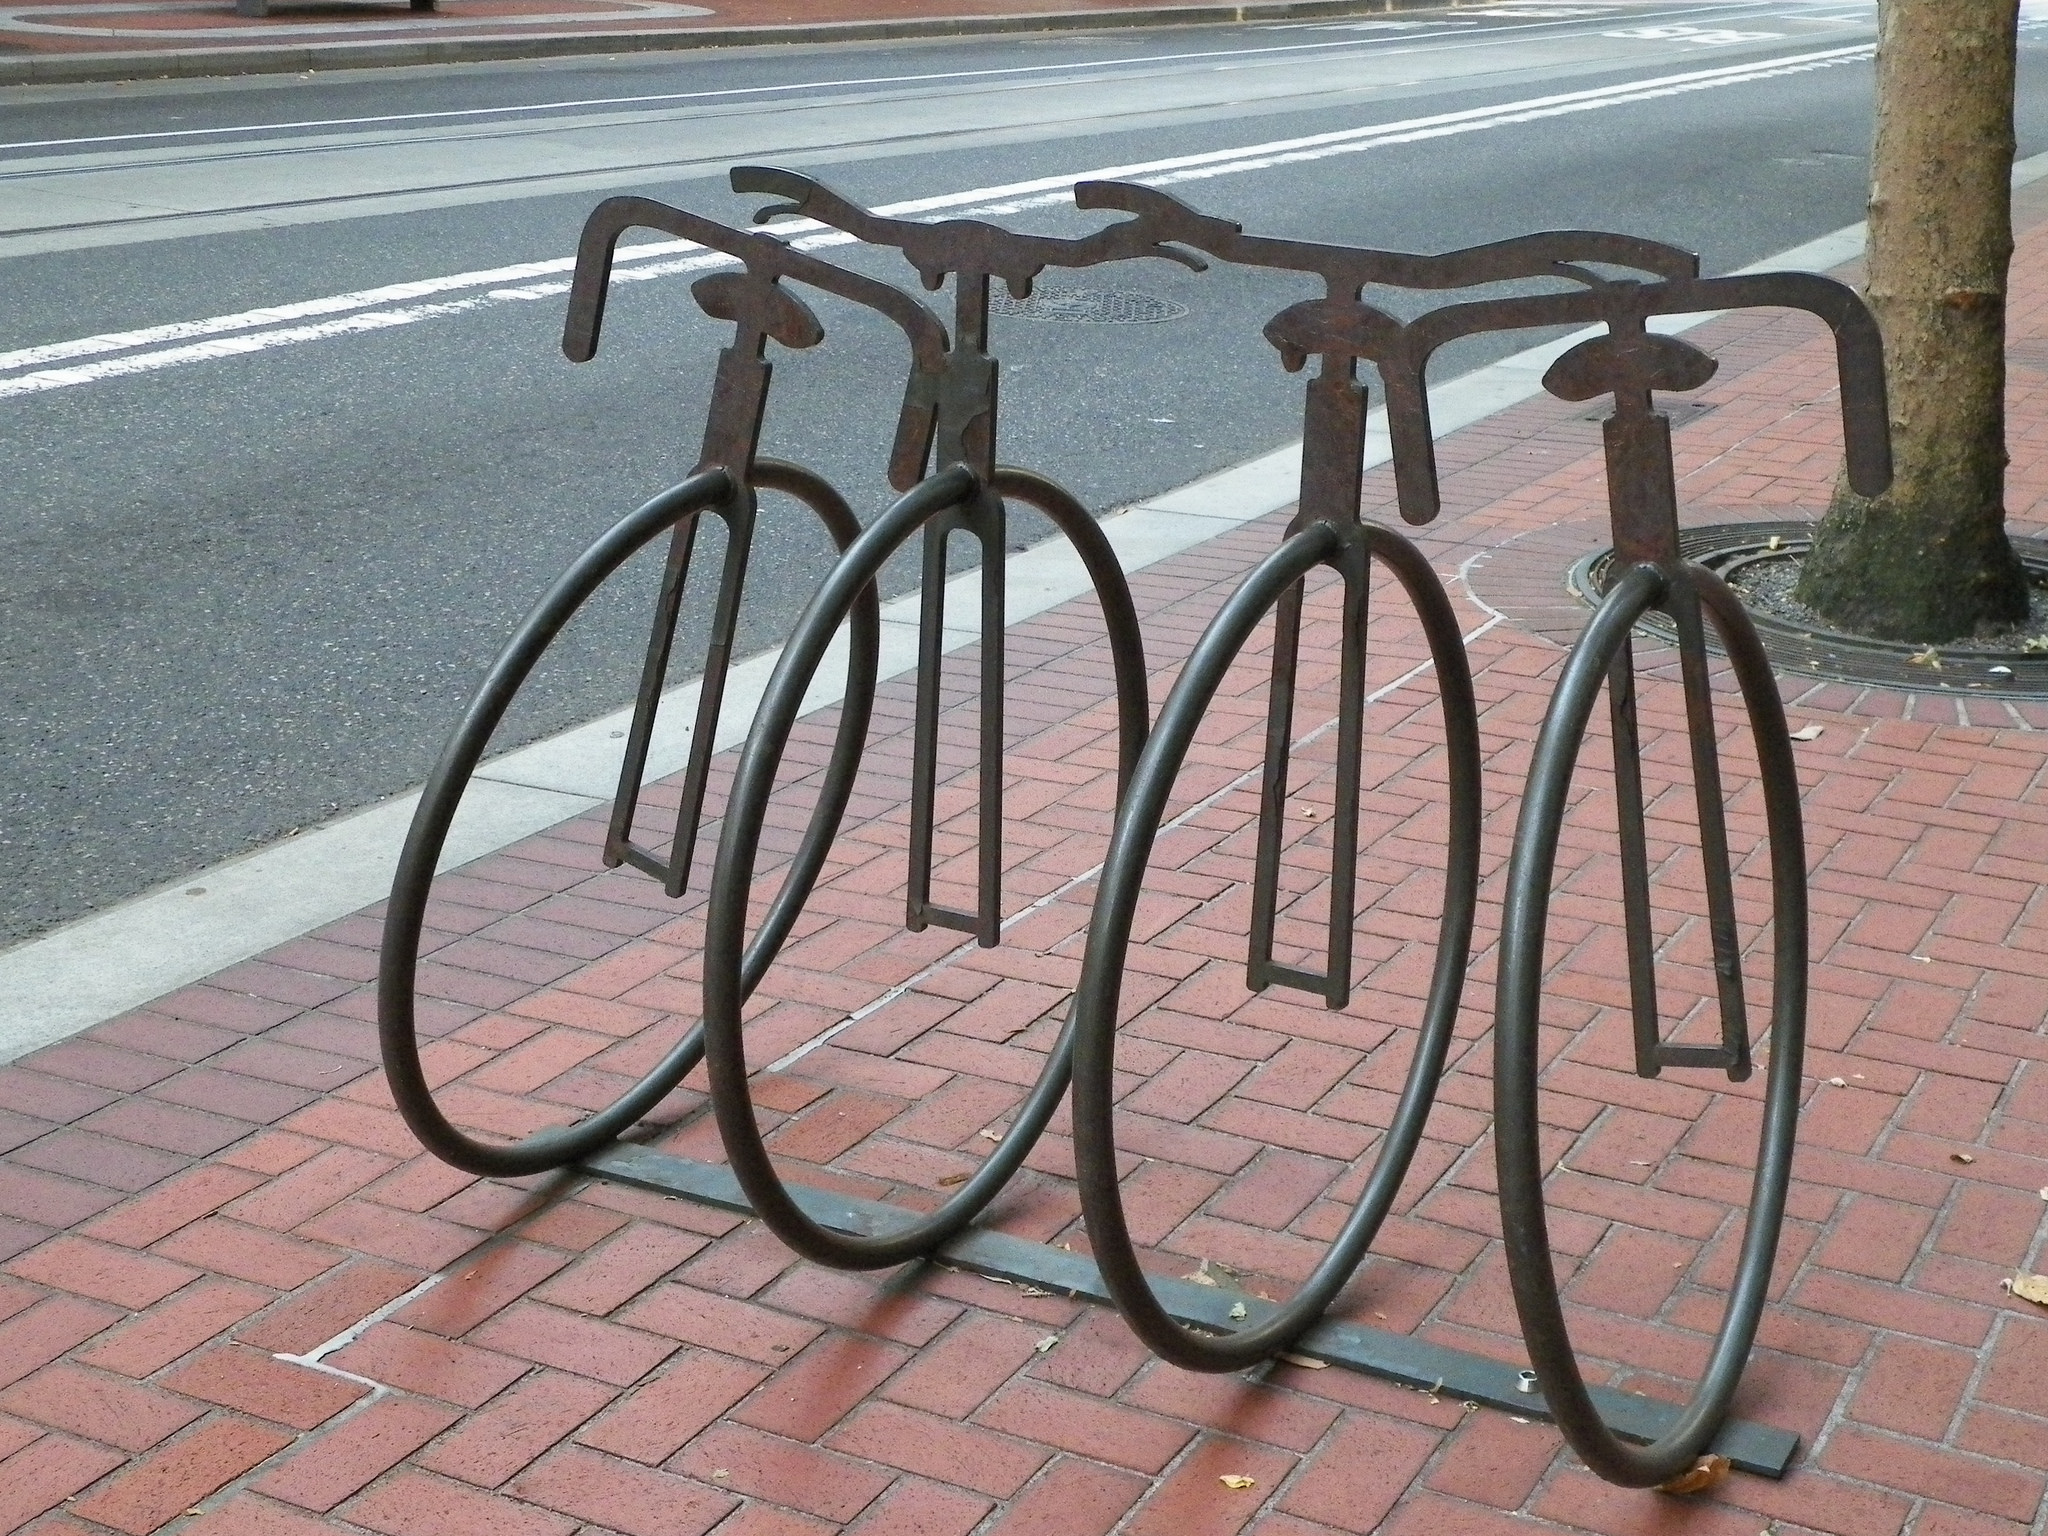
1963	666
1087	306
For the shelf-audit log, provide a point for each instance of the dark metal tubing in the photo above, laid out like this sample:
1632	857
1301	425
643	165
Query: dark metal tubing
1516	1055
961	246
1341	330
412	884
1112	592
726	987
1350	550
725	992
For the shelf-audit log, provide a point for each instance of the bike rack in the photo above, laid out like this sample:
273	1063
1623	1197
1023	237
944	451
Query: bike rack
949	417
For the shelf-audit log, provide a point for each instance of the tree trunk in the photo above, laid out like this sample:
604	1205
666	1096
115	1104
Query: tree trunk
1929	560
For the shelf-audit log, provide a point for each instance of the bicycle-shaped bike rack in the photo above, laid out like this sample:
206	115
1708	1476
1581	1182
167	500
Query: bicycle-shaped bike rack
950	404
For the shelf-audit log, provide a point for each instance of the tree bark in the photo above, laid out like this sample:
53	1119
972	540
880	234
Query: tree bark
1929	560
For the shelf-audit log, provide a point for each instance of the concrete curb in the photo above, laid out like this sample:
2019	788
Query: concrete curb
77	68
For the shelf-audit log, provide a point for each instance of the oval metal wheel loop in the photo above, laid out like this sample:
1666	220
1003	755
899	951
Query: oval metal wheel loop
725	989
1112	590
412	884
1516	1047
1349	550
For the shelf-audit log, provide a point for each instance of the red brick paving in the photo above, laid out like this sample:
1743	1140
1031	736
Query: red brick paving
218	1180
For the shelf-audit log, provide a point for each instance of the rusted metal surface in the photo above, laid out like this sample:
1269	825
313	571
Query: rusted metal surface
944	458
963	414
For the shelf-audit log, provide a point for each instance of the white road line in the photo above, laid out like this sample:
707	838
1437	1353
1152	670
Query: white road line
851	83
1039	192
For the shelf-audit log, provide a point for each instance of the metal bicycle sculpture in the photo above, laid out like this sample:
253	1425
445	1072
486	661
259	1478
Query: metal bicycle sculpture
1628	363
1341	331
966	496
950	400
950	403
730	474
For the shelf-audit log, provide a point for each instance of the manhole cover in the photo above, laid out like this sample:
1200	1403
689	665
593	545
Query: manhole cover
1087	306
1962	666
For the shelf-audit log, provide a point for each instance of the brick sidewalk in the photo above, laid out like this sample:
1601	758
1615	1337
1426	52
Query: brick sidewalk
218	1230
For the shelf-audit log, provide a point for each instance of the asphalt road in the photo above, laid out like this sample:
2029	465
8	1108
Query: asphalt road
254	563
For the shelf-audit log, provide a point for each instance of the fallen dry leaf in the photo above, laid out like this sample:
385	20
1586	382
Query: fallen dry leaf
1031	1290
1046	1343
1201	1275
954	1178
1707	1472
992	1135
1808	733
2032	1288
1237	1480
1306	1363
1927	658
1961	1157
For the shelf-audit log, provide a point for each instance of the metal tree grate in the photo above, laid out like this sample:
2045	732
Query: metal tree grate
1982	668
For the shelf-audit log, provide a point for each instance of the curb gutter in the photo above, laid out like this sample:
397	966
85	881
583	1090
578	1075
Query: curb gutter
76	68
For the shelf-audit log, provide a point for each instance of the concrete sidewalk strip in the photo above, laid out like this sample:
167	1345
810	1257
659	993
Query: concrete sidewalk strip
237	1298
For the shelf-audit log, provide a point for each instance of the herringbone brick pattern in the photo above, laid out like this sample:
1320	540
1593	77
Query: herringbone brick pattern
216	1312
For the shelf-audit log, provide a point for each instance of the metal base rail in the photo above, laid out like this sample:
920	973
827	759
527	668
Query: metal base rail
1762	1449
